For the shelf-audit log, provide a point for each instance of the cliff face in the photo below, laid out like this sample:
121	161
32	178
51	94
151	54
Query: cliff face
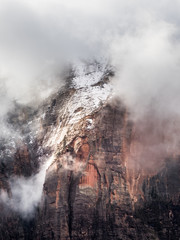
90	190
86	190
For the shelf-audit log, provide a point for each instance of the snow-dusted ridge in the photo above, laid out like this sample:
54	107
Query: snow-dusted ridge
90	92
89	74
89	95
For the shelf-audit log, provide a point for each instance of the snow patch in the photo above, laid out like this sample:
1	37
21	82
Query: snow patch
88	74
88	99
89	124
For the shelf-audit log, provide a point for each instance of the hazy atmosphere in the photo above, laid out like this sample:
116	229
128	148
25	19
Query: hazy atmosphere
139	39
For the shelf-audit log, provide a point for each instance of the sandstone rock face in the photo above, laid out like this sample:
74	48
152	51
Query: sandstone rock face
90	191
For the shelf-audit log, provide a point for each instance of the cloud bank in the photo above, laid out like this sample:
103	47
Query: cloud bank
37	38
141	40
26	193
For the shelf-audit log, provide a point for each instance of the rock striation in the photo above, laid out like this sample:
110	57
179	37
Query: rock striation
85	137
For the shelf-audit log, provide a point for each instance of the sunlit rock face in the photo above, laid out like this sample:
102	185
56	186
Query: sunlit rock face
74	158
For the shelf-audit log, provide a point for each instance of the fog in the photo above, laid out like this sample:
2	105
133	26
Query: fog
38	38
140	39
26	193
147	64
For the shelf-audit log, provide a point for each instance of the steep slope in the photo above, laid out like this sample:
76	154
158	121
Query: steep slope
83	135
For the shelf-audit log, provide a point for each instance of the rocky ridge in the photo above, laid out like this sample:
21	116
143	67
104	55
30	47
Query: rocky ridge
78	146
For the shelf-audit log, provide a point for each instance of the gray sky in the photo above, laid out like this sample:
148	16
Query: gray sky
141	39
38	37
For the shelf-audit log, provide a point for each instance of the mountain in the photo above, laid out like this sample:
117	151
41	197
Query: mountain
68	172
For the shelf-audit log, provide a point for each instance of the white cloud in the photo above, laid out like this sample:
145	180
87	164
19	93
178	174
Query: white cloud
26	193
39	37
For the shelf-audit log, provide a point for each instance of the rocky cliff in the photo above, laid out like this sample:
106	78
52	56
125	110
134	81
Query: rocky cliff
76	150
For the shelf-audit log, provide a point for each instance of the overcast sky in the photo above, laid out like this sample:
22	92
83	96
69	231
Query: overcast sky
37	37
141	39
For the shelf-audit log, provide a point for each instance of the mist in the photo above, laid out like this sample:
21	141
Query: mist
26	193
147	62
38	38
140	39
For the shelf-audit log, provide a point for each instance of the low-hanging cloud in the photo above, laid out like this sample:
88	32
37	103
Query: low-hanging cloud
26	193
148	70
141	39
37	38
147	60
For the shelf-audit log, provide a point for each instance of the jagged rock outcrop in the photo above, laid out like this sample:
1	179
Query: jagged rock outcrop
89	192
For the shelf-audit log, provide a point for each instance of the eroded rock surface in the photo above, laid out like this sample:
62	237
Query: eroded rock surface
90	191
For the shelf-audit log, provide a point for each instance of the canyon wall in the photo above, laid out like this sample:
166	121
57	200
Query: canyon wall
90	190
